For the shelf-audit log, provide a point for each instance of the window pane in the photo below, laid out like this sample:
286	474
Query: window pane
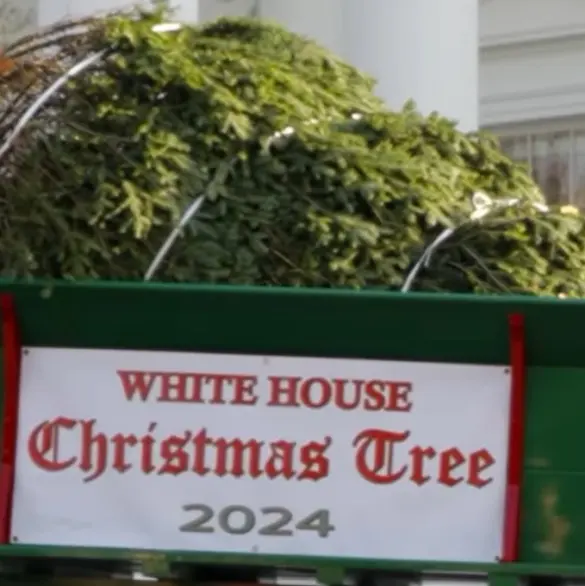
579	178
551	155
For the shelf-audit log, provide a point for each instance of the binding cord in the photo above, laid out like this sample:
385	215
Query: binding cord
483	206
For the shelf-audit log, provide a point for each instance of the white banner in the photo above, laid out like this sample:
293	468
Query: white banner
261	454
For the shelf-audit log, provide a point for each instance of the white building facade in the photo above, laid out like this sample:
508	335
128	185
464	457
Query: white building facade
514	66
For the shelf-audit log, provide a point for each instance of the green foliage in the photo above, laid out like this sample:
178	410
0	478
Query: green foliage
299	189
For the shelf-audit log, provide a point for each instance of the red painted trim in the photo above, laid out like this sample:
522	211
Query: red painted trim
515	439
11	353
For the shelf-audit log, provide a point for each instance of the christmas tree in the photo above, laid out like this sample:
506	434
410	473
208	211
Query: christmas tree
307	178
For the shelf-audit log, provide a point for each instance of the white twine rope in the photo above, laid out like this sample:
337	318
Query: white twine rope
72	72
160	256
45	96
483	205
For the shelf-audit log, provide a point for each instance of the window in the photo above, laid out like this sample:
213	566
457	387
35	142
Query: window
556	161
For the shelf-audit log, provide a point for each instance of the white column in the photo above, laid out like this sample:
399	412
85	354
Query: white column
427	50
320	20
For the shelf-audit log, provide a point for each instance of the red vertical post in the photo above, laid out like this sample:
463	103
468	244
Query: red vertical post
511	531
11	354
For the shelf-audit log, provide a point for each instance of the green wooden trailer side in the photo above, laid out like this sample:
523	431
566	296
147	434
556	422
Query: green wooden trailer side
337	324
